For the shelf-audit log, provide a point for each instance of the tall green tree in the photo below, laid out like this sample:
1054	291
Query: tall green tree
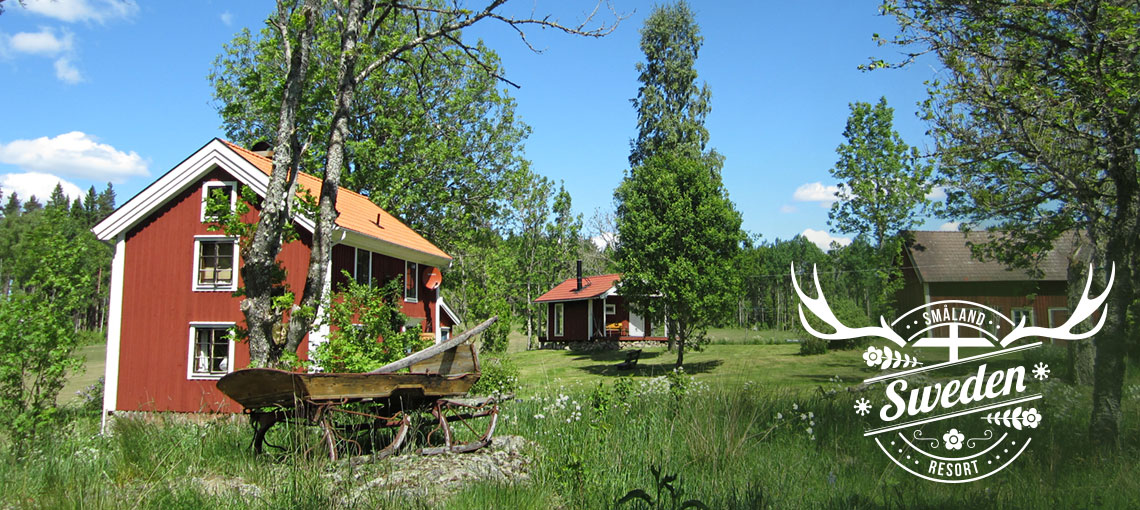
1037	124
671	106
678	231
371	37
679	235
544	241
883	184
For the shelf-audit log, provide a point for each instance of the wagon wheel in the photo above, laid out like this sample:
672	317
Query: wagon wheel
462	411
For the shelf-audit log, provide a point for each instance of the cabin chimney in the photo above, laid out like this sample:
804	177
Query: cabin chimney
579	275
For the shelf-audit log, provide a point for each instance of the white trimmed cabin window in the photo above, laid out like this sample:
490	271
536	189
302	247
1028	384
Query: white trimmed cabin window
559	319
211	351
215	263
226	188
411	282
362	271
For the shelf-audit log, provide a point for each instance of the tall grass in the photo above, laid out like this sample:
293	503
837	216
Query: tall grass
748	447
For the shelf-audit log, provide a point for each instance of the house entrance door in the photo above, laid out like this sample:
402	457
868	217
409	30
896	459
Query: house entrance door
636	324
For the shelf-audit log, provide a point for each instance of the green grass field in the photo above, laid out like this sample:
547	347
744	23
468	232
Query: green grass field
738	435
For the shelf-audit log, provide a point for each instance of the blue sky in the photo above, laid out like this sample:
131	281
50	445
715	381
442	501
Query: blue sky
104	91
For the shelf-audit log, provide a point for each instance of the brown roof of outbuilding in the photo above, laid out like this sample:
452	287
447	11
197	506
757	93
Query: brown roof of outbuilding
592	287
946	257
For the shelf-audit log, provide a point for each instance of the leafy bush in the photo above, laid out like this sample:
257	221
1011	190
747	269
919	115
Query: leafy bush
813	346
366	334
500	376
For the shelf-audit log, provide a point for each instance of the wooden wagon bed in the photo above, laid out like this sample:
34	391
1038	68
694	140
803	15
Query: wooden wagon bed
433	384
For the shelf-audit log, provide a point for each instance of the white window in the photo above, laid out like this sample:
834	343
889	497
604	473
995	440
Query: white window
558	319
211	351
444	333
215	263
611	309
1018	313
363	267
226	188
411	282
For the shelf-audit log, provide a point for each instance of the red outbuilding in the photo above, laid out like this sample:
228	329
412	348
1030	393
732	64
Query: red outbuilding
590	308
172	296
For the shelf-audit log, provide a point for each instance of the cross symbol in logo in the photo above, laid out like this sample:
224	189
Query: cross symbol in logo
953	342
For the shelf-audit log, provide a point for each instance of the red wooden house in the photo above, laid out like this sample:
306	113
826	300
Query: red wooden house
591	308
938	266
172	280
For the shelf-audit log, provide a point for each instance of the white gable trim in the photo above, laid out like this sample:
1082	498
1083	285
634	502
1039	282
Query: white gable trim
447	309
114	331
215	154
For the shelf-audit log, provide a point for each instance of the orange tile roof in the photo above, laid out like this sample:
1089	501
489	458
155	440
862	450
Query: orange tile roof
357	212
592	287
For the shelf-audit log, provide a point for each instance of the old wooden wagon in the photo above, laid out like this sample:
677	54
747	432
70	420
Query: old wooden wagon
343	405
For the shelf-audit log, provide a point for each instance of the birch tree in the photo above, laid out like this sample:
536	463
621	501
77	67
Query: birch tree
360	23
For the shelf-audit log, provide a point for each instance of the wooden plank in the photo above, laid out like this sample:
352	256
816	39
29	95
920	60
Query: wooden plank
457	360
435	349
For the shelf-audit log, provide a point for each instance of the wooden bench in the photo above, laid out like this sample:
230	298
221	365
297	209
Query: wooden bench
630	360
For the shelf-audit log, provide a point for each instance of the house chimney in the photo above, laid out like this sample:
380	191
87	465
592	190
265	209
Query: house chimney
579	275
262	148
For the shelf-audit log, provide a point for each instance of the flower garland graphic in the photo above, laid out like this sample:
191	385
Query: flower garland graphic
887	358
1015	418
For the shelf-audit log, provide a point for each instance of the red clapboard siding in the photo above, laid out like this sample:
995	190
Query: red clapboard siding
159	305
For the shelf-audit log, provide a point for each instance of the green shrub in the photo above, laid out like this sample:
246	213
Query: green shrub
367	322
813	346
500	377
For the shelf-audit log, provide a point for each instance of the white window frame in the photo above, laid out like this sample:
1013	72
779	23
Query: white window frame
194	285
356	266
1031	321
209	185
611	309
559	319
193	375
416	284
444	333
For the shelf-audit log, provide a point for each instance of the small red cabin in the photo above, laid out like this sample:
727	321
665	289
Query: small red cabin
591	308
172	280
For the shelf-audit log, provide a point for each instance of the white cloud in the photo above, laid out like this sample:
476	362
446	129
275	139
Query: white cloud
45	42
937	193
816	192
823	239
227	18
787	209
951	226
34	183
604	239
83	10
67	72
74	154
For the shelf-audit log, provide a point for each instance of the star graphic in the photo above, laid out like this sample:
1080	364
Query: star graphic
862	407
1041	371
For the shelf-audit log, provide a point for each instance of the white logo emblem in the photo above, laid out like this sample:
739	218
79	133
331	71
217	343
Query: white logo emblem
965	418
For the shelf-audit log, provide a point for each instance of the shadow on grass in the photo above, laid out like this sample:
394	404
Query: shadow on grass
609	355
651	369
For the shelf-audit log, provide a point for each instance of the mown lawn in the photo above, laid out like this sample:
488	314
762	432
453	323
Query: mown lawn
726	366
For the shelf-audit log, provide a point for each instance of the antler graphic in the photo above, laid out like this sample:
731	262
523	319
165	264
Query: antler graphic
821	309
1084	310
